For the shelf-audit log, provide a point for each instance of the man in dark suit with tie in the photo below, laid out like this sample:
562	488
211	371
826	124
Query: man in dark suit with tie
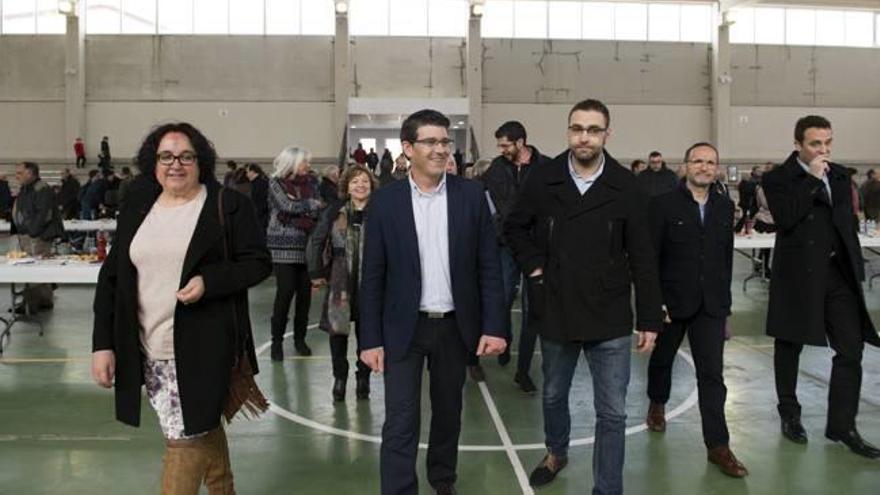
431	289
816	295
692	230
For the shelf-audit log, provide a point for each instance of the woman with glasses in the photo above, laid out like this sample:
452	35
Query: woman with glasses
334	254
171	308
294	205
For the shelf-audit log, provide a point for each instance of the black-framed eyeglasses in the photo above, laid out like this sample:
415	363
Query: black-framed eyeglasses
167	158
432	143
592	131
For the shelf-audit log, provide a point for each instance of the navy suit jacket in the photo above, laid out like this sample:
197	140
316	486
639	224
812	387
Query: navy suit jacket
391	281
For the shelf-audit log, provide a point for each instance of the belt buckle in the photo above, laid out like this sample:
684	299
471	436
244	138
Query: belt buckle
434	315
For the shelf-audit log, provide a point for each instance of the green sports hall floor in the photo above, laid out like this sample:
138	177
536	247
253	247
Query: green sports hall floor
57	433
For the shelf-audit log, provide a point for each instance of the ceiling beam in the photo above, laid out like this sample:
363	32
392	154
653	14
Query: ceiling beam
726	5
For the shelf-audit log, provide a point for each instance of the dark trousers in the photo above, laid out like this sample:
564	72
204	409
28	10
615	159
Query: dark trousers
292	280
528	337
438	341
80	162
339	354
706	336
843	326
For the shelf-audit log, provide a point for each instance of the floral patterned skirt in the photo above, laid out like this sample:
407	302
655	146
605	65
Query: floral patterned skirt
161	383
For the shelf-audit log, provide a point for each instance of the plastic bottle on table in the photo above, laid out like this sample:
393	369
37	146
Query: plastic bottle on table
102	246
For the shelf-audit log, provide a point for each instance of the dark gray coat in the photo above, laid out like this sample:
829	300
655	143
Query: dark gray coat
592	249
695	257
806	224
36	212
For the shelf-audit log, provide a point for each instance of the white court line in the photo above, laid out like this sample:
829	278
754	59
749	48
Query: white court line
688	403
505	441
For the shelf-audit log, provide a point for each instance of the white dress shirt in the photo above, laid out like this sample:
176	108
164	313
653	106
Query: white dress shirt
584	184
432	229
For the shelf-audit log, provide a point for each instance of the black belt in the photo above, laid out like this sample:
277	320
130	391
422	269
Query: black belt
433	315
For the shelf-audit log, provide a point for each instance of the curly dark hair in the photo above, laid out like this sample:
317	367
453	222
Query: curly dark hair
205	153
349	175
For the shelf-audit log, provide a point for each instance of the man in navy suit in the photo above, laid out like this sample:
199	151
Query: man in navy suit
430	288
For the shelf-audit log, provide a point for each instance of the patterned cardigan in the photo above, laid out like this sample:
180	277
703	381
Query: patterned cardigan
285	241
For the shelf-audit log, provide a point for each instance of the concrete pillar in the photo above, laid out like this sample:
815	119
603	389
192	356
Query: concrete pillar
474	88
75	84
342	85
722	115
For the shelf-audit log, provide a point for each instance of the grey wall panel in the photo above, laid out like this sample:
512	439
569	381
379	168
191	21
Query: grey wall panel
770	75
201	68
31	68
539	71
408	67
34	130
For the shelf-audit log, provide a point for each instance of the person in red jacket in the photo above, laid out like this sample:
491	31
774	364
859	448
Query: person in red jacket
359	155
80	150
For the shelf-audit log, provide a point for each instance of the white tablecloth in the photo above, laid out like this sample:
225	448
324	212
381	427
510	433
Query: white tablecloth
760	241
76	225
49	272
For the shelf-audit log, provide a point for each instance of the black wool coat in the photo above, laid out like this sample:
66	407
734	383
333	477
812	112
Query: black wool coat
592	248
695	257
806	224
206	332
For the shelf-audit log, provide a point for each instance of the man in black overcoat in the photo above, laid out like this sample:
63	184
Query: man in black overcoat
816	295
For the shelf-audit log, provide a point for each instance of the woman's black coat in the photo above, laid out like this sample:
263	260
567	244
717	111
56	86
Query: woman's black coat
204	332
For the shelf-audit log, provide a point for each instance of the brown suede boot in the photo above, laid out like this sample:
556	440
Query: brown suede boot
218	477
190	462
183	466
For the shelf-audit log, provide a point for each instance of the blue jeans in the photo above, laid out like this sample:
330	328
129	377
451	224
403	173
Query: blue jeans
510	279
609	362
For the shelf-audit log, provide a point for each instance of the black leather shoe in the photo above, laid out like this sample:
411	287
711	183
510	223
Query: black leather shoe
362	390
525	383
854	441
445	489
277	351
339	389
547	470
302	348
793	430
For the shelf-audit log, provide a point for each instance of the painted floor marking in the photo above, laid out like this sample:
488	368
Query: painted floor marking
688	403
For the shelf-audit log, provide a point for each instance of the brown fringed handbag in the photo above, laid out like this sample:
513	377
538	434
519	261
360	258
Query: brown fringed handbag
243	390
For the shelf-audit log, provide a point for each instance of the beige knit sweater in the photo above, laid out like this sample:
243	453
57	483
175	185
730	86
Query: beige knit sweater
157	252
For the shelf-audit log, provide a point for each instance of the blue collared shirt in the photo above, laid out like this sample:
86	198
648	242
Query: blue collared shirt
584	184
432	229
824	178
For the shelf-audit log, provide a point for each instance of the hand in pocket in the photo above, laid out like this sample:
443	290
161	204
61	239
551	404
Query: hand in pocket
536	297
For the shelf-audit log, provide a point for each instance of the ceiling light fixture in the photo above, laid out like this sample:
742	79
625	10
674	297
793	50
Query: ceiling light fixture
477	7
67	7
